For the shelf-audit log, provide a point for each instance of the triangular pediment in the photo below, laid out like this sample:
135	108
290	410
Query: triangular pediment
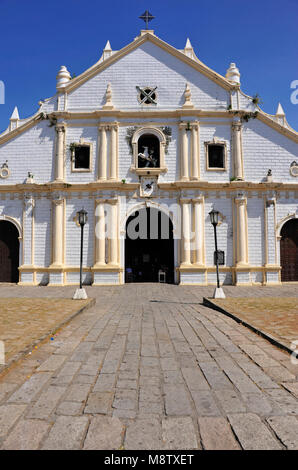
195	63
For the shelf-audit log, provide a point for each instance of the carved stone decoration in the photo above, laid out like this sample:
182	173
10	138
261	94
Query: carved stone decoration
108	104
30	178
4	171
148	186
166	130
294	169
187	96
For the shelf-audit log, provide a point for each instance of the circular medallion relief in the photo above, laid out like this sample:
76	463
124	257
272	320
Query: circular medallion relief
294	169
4	172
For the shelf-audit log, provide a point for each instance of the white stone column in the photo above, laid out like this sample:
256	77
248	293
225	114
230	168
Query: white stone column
113	152
57	232
195	169
198	224
102	160
185	233
59	170
99	233
241	232
113	232
270	235
28	231
237	150
184	153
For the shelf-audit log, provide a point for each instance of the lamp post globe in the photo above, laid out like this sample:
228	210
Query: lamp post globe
82	217
214	215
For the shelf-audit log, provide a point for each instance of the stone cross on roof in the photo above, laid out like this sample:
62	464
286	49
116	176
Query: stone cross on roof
146	16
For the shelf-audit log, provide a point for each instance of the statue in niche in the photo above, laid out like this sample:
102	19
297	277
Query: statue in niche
147	159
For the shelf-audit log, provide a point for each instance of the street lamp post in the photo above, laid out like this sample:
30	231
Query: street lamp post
218	293
82	219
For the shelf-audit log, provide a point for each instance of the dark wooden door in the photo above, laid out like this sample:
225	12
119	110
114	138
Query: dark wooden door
9	252
289	251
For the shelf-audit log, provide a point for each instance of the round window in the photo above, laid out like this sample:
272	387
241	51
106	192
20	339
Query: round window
147	95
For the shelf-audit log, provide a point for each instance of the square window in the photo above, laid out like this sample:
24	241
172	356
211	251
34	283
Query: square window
82	157
216	156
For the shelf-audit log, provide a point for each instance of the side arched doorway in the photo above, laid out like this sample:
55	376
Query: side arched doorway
9	252
149	247
289	251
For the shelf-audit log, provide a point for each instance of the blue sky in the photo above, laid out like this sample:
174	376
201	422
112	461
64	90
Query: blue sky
38	37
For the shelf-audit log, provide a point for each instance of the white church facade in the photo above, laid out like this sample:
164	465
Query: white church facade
149	133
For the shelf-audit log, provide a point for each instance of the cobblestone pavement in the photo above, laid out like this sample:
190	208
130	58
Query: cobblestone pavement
24	320
150	367
277	317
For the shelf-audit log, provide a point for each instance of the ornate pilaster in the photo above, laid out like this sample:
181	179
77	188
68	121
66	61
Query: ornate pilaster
198	229
241	231
195	158
59	169
28	231
270	235
113	232
102	160
185	233
114	152
184	152
57	232
237	150
100	235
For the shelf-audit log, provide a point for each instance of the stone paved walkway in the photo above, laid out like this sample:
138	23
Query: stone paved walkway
277	316
23	321
149	367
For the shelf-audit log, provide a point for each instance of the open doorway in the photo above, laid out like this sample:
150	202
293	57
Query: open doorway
149	247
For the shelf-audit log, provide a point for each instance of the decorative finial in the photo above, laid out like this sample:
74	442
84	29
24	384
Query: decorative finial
280	115
188	49
146	16
279	111
14	119
107	52
108	104
233	74
187	97
63	77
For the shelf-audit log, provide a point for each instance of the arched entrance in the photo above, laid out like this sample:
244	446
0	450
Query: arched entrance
9	252
149	247
289	251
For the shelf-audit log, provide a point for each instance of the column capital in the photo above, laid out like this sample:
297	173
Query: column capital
105	126
60	127
198	200
271	200
100	201
236	125
185	200
29	202
112	201
240	198
58	201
